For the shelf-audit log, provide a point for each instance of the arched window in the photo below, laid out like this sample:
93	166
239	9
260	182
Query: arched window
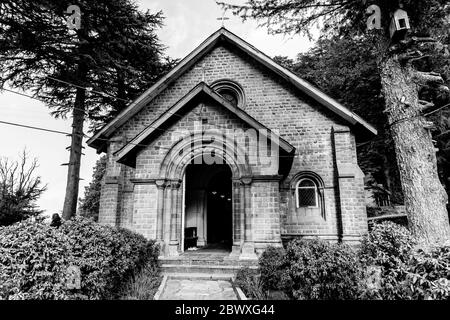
231	91
307	194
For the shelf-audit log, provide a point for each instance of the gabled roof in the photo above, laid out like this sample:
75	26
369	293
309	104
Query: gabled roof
224	35
123	155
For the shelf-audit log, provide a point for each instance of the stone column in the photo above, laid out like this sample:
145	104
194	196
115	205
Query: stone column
111	197
173	244
248	248
160	184
237	219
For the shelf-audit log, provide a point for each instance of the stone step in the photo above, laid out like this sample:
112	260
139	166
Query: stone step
201	276
167	268
209	262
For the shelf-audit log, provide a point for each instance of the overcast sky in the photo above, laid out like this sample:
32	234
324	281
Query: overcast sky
187	24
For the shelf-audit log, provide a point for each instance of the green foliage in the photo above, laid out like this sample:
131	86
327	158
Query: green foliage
250	283
34	258
116	52
273	267
406	273
323	270
90	204
19	190
143	284
387	244
428	274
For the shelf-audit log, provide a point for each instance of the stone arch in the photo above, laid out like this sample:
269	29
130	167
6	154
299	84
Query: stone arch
192	146
171	174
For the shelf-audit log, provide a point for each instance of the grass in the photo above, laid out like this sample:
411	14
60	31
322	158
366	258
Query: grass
143	285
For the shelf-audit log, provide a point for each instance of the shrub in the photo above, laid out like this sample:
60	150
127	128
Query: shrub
35	257
388	246
428	274
143	284
323	270
250	283
273	267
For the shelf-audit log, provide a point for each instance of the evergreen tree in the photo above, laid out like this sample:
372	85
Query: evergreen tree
115	53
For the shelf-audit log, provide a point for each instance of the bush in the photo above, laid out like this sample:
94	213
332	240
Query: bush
250	283
323	270
34	258
143	284
389	247
387	244
273	267
428	274
406	273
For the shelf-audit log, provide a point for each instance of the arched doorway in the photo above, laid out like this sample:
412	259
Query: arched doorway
208	207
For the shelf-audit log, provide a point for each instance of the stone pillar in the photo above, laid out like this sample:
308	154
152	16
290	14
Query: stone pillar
353	216
167	216
173	244
160	184
248	248
238	220
110	197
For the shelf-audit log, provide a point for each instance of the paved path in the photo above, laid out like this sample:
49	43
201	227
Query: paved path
198	289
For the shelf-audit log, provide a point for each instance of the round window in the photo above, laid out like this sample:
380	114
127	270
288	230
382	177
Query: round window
231	91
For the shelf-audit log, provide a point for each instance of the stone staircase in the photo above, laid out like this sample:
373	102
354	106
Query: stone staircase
204	264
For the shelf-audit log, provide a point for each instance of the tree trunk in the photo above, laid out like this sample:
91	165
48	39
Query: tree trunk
73	175
425	197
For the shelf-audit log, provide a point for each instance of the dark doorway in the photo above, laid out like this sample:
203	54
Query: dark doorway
219	208
208	206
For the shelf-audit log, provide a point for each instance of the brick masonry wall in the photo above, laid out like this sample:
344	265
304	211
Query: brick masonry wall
273	102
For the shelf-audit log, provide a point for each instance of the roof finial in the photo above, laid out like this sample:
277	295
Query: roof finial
223	18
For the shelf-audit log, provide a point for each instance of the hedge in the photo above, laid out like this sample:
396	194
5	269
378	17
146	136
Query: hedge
34	258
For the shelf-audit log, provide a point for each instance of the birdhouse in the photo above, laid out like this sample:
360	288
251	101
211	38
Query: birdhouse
399	25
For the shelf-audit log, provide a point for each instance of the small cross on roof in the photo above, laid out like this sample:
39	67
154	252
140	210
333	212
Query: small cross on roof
223	18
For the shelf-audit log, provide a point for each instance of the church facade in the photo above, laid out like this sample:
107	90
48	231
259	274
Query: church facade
231	150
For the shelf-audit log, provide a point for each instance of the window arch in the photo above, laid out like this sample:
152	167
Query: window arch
308	193
231	91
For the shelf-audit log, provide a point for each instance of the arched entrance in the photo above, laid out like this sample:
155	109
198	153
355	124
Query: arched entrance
208	207
174	186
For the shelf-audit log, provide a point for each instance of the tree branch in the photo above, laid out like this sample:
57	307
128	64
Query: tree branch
425	78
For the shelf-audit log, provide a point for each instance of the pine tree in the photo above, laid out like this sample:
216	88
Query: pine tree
115	54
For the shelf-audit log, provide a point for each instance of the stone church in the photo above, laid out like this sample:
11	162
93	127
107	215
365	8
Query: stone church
230	150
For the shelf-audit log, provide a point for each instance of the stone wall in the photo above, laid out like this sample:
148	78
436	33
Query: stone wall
309	127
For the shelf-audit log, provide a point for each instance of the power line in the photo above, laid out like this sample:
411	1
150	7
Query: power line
31	97
87	89
35	128
88	137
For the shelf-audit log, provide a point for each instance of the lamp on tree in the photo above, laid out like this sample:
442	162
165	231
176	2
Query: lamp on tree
399	25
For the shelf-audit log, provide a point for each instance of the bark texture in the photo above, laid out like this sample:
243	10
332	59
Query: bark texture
73	174
425	197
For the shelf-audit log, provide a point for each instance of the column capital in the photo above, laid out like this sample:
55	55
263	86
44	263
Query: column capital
160	183
246	181
174	184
